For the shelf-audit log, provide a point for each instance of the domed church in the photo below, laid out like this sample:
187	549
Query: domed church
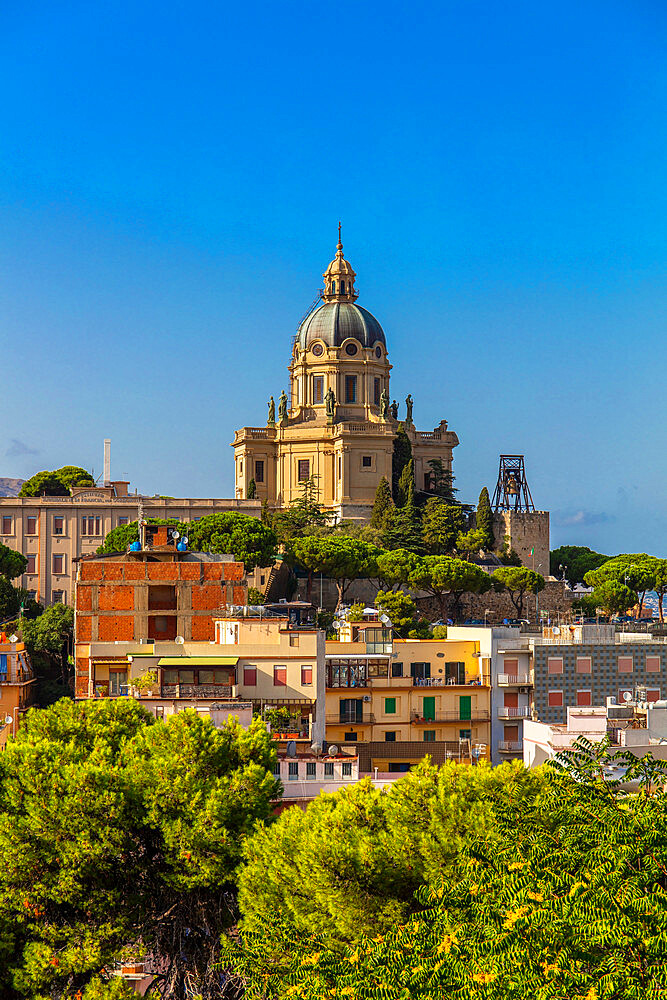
336	428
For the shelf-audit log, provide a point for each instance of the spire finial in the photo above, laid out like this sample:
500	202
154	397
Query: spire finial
340	242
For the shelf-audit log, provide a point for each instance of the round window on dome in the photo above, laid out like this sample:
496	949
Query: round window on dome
351	349
378	352
317	350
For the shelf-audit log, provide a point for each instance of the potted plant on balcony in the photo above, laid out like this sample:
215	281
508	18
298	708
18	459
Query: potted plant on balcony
143	686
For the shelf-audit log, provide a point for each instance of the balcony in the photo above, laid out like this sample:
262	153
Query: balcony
348	719
441	682
514	713
511	746
451	715
514	680
211	692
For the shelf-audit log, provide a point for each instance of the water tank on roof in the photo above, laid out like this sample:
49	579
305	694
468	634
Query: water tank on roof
135	547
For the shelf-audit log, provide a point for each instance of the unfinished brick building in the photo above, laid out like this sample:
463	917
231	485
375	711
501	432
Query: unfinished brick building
155	593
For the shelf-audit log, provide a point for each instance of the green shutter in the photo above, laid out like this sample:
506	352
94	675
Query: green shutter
428	711
465	707
390	706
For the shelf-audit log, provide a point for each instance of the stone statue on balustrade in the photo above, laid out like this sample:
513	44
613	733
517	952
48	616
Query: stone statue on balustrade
330	404
393	409
272	413
409	403
282	408
384	405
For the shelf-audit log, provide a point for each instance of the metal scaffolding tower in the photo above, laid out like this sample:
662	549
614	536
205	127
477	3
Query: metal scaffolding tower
512	491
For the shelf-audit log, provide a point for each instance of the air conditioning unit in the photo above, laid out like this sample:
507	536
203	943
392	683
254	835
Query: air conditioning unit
367	697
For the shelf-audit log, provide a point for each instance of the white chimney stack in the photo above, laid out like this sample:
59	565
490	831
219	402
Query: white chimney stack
107	461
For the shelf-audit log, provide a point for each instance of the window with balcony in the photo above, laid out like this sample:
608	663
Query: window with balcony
346	673
420	671
117	682
397	670
455	673
351	710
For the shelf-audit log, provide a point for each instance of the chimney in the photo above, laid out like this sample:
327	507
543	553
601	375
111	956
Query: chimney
107	461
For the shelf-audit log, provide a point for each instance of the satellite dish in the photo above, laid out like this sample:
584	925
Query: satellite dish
179	639
333	750
176	535
186	540
385	620
13	638
336	625
555	630
627	696
290	749
8	720
316	748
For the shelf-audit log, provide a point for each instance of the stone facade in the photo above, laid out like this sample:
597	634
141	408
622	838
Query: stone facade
524	531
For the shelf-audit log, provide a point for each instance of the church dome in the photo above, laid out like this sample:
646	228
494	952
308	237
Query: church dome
335	322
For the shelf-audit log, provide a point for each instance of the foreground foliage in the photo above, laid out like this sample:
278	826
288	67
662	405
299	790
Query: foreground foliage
120	835
564	897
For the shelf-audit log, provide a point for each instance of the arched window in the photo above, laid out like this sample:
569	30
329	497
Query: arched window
342	288
333	286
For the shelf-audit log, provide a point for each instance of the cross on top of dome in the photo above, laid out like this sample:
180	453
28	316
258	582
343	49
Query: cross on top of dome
339	277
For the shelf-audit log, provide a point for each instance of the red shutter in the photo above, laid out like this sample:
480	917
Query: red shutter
306	675
280	676
250	676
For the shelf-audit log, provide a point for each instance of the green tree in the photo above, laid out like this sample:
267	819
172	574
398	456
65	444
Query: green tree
338	557
577	560
383	506
442	523
518	581
395	567
402	454
613	597
406	485
255	596
442	481
634	571
120	834
444	577
252	489
12	563
469	542
403	529
49	639
660	584
10	599
304	516
560	896
484	520
56	483
405	619
248	540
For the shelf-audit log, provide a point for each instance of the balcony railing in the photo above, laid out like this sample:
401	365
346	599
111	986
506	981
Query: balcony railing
451	715
510	746
514	713
348	719
514	680
449	682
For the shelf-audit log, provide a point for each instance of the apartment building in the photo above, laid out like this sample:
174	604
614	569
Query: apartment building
400	699
17	685
53	532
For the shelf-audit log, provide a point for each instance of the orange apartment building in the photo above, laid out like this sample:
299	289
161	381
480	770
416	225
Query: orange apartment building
17	685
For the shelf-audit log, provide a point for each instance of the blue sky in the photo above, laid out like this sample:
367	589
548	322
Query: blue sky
171	178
